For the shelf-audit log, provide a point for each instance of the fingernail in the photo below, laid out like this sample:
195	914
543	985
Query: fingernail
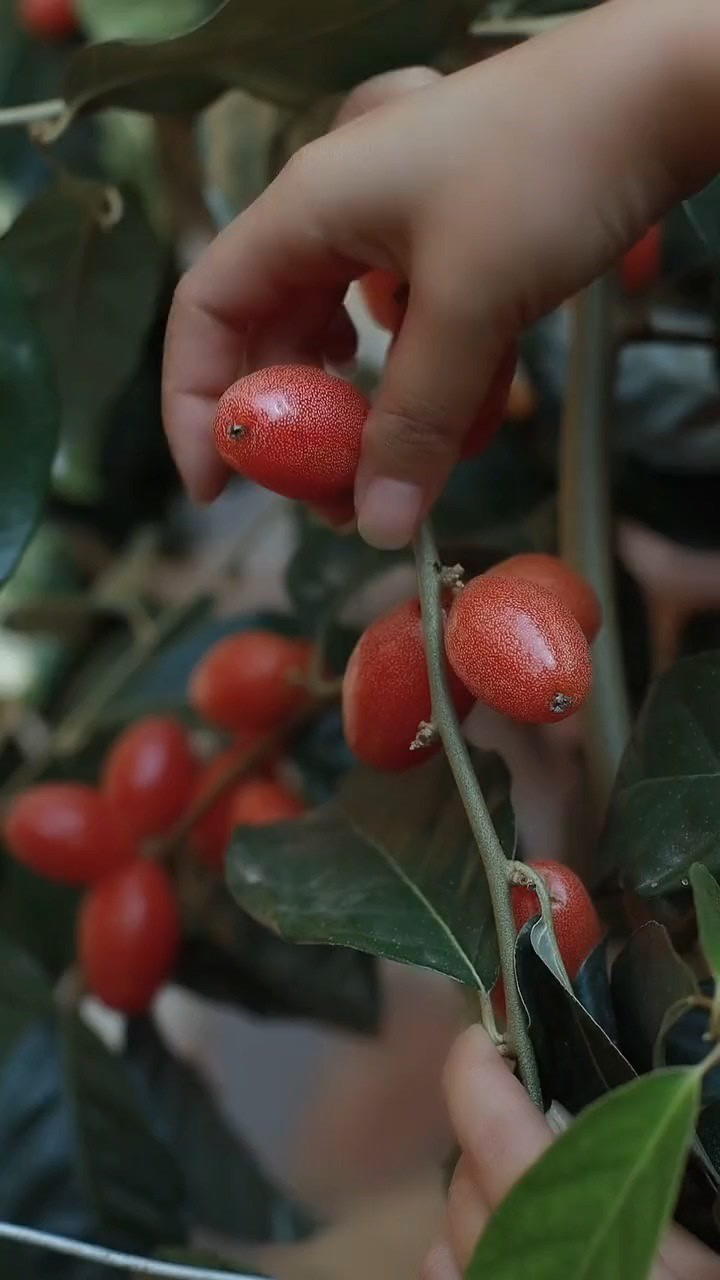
389	512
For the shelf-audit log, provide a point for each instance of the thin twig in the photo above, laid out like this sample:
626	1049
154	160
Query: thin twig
521	873
586	534
493	857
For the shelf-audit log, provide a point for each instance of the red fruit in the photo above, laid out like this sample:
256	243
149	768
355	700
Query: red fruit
149	774
553	574
641	266
253	680
519	649
339	514
385	295
66	831
386	692
211	832
256	802
128	936
47	19
492	411
576	922
294	429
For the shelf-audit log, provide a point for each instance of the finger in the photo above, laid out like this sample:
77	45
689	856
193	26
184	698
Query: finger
467	1211
438	371
684	1256
499	1129
249	277
381	89
440	1264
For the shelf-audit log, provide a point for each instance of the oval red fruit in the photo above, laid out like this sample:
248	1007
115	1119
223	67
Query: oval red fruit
47	19
66	831
128	936
555	575
294	429
149	774
386	693
577	925
492	410
252	680
257	802
519	649
211	832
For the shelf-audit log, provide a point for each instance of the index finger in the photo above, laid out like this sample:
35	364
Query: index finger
271	265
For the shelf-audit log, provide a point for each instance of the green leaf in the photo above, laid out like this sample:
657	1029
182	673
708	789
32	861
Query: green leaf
227	1191
665	810
266	49
91	274
648	979
38	915
24	992
389	868
141	19
594	1207
703	211
29	423
706	893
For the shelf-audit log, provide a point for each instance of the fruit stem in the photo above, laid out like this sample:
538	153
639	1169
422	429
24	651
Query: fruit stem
585	532
31	113
429	575
521	873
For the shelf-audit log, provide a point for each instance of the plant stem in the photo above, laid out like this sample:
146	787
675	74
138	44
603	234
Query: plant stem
493	857
586	526
31	113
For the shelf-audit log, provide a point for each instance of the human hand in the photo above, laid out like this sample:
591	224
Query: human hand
496	193
500	1133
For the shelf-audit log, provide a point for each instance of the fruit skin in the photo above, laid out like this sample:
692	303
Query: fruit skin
386	692
252	680
294	429
47	19
577	925
211	832
66	831
385	295
641	266
128	936
519	649
148	775
552	573
492	410
257	802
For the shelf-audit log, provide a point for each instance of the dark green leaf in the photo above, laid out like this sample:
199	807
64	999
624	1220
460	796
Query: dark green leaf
703	210
226	1190
29	422
326	570
322	756
706	893
389	868
665	809
38	915
263	48
230	958
141	19
595	1205
24	992
91	274
648	978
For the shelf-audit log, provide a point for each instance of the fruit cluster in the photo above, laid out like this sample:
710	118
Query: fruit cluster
47	20
109	838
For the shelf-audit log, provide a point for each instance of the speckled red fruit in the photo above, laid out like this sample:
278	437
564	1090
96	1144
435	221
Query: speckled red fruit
492	412
149	774
385	295
252	680
256	802
577	926
210	834
519	649
47	19
386	692
641	266
66	831
128	936
555	575
293	429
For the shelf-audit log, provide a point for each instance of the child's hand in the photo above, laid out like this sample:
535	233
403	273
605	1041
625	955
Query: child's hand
496	192
500	1133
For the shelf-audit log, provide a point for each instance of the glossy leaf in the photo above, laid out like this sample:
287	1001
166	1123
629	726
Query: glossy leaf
91	274
706	893
141	19
648	979
266	49
595	1205
29	422
227	1192
389	868
665	809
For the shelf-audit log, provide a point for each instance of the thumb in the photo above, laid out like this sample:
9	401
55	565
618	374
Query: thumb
439	370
